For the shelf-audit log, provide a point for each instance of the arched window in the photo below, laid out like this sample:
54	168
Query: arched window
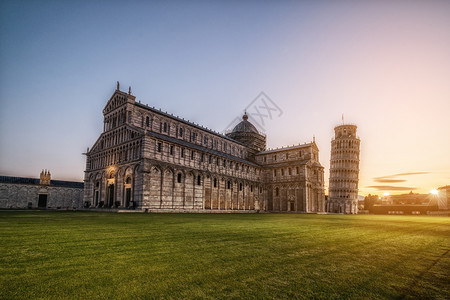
198	180
277	192
228	184
128	180
215	182
165	127
179	178
147	121
240	186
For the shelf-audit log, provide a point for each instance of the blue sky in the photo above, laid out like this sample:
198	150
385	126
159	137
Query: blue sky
384	64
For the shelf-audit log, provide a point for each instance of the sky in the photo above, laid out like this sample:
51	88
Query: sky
384	65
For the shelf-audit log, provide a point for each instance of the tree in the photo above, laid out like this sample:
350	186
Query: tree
369	201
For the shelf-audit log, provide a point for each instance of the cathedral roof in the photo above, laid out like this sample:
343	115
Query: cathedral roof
245	126
287	148
200	148
185	122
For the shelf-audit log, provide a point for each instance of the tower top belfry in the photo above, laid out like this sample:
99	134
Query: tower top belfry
345	131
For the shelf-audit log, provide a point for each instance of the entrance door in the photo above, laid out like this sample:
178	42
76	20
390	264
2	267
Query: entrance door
127	197
111	195
42	203
292	206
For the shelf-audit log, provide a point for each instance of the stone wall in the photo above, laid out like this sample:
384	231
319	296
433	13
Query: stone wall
20	195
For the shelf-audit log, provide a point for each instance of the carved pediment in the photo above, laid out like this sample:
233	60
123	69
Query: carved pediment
314	145
97	144
118	99
104	140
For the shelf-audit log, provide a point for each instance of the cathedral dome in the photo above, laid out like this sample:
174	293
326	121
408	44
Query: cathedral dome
245	126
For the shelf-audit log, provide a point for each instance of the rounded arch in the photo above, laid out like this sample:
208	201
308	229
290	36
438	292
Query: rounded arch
111	174
128	172
100	175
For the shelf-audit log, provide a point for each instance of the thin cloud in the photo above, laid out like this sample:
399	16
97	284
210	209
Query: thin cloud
391	188
394	179
410	173
386	180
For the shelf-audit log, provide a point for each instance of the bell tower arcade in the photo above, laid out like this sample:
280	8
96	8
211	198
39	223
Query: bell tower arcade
344	171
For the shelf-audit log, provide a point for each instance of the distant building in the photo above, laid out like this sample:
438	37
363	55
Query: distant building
150	160
43	193
344	171
407	204
411	198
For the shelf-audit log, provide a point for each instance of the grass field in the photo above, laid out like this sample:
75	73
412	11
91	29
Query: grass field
108	255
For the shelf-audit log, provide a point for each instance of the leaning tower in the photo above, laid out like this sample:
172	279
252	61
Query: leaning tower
344	171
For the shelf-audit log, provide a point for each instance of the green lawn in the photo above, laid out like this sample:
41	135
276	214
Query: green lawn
108	255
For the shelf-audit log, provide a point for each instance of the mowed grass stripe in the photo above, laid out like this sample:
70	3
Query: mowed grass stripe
105	255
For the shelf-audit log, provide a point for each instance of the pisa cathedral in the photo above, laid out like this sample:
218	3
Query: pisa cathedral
149	160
